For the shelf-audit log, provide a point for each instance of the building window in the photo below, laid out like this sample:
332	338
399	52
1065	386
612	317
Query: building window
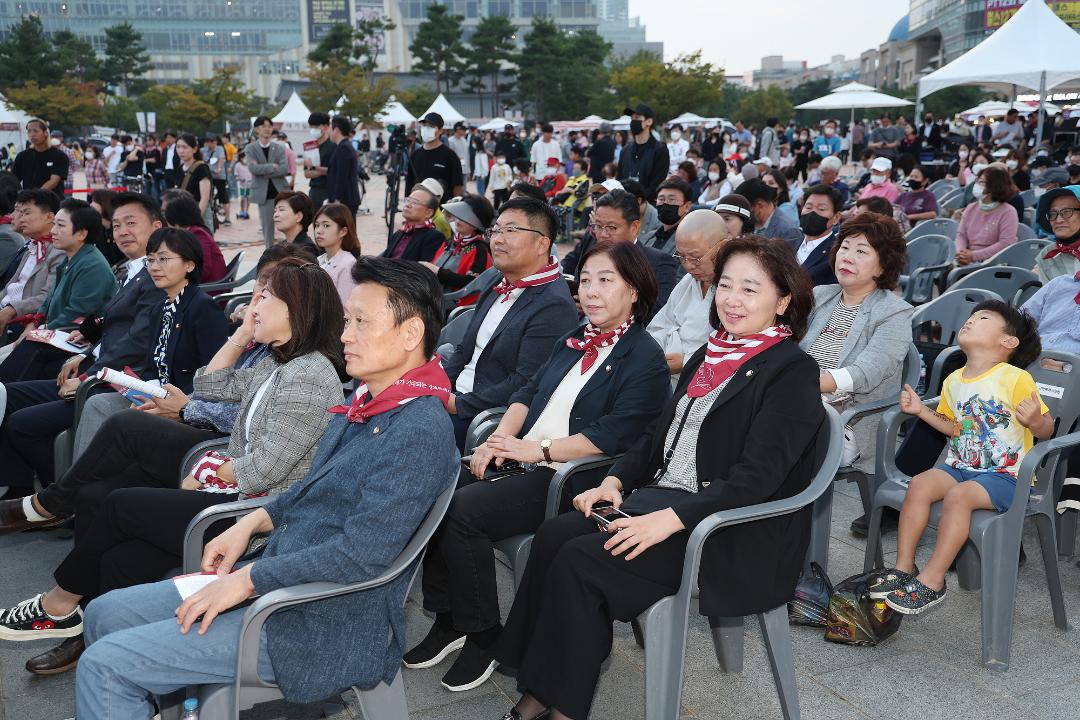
500	7
535	8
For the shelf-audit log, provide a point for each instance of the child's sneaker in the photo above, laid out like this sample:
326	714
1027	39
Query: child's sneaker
889	581
915	598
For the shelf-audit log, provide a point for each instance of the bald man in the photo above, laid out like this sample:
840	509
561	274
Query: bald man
682	325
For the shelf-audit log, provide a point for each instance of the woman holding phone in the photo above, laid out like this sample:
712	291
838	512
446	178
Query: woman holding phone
715	446
601	385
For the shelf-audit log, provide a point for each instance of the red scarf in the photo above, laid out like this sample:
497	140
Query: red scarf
41	246
428	379
1072	249
409	228
594	340
460	242
5	219
1076	298
725	353
548	273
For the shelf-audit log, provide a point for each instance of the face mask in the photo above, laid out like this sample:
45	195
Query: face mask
877	179
427	133
1039	192
813	224
129	148
714	176
500	161
928	120
1011	164
314	132
676	136
454	227
987	206
977	190
978	168
830	131
89	156
963	154
54	141
667	214
636	127
914	184
804	136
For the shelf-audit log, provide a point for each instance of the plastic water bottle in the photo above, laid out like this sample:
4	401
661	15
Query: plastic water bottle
191	709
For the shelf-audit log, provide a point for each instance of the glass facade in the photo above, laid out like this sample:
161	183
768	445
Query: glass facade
958	23
528	9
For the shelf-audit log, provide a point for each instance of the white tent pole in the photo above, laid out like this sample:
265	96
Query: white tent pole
1042	109
918	100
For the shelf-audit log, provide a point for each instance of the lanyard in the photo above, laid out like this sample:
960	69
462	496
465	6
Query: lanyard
675	441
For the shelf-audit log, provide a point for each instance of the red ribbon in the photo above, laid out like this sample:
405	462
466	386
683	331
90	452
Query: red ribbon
428	379
41	246
594	340
548	273
725	353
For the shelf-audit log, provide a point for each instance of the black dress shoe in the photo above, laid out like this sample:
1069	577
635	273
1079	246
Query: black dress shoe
890	520
12	518
60	659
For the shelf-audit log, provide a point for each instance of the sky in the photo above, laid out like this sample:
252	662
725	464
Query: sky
736	34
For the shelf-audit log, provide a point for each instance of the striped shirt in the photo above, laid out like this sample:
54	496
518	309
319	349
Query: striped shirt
682	468
826	346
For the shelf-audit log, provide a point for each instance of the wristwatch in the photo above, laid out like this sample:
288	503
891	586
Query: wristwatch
545	446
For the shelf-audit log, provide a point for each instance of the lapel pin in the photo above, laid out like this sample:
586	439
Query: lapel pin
607	368
375	430
749	373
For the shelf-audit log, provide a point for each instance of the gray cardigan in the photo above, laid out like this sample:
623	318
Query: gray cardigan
286	424
874	350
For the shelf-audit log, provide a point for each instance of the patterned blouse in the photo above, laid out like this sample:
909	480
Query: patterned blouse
168	316
681	472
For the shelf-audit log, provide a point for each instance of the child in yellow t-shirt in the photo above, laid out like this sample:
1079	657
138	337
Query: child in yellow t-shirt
991	411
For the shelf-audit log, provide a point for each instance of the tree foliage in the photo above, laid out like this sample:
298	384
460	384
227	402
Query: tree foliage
27	56
126	59
364	96
226	94
76	57
686	84
437	48
418	98
758	105
489	61
562	74
67	103
345	44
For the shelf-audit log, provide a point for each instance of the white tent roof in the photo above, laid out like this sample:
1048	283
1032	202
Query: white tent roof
592	119
687	118
997	108
1034	41
394	113
295	111
621	123
444	108
497	124
8	114
851	99
854	87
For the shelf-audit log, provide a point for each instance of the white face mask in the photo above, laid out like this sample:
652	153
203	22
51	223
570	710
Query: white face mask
427	133
978	168
962	154
877	179
454	226
676	136
314	132
1011	164
804	136
714	176
500	161
977	190
129	148
54	142
830	131
89	155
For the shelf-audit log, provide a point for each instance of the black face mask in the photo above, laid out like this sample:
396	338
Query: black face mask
668	214
636	126
914	184
813	224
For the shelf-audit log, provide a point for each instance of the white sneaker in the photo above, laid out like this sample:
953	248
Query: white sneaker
851	448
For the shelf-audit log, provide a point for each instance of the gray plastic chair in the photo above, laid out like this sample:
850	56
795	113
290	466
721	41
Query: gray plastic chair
1028	196
188	463
482	282
929	258
453	332
1026	232
230	281
1005	280
948	312
664	624
227	700
989	559
934	226
952	202
940	188
1021	254
64	442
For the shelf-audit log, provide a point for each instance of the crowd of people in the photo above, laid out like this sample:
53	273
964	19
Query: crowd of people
720	288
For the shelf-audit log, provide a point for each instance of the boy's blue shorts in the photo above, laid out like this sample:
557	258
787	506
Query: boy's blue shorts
999	486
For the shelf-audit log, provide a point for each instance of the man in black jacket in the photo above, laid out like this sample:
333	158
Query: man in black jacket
516	322
418	239
601	153
509	146
341	176
646	159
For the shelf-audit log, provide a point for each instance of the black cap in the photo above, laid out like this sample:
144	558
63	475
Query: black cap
641	109
459	124
432	118
508	126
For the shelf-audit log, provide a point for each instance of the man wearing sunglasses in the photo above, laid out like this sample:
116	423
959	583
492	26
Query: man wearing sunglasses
516	322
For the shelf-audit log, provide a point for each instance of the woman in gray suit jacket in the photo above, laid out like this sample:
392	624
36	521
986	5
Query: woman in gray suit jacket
859	329
138	534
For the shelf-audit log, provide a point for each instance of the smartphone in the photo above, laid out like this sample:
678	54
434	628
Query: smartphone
605	514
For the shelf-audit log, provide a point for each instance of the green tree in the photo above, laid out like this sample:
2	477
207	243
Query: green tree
809	90
417	98
541	64
68	103
126	59
75	56
488	60
437	48
758	105
27	56
177	106
364	96
227	95
335	47
583	82
686	84
368	40
119	112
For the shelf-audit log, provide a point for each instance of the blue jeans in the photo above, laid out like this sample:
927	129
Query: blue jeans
135	651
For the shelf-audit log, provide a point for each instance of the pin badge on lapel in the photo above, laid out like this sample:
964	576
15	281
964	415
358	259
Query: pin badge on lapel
607	368
375	430
749	373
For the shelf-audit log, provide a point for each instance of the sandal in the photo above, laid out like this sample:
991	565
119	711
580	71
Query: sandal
515	715
915	598
889	581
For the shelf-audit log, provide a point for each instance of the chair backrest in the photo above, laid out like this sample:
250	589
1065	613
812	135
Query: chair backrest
948	312
1005	280
453	332
1026	232
478	284
951	202
1022	253
934	226
929	249
232	269
912	366
941	188
1057	377
1028	196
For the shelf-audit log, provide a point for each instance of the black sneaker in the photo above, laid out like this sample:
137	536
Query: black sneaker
433	649
472	668
29	621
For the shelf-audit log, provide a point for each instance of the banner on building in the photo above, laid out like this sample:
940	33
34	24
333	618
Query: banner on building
323	14
998	12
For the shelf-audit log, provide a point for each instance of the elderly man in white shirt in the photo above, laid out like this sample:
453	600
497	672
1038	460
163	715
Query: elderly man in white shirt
682	325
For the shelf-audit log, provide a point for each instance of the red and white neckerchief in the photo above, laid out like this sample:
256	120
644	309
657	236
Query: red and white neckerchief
1071	249
41	246
428	379
1076	298
460	242
206	472
724	353
594	340
409	228
549	273
5	219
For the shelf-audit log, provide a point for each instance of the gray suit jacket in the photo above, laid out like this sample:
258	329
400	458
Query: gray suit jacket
40	282
781	226
285	425
370	486
263	172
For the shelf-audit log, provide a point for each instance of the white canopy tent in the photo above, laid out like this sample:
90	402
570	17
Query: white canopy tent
444	108
498	124
394	113
1035	49
293	118
852	96
621	123
688	119
12	125
997	108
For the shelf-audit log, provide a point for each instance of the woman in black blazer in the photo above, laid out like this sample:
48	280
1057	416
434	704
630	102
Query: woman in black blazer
600	387
740	430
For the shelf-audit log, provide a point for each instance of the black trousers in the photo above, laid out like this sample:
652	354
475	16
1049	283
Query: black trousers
32	361
35	416
559	630
498	197
131	449
459	567
461	429
318	196
136	538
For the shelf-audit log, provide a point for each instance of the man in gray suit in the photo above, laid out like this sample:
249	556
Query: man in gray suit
768	222
376	474
269	165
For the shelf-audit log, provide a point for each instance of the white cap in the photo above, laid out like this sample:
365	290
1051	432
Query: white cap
881	164
764	160
1000	152
612	184
433	186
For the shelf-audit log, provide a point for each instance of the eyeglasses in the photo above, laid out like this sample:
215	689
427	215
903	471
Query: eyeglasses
1064	214
695	261
412	201
599	230
152	261
496	230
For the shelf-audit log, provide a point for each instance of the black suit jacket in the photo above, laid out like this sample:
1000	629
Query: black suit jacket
664	267
817	264
125	328
520	344
423	245
757	444
199	329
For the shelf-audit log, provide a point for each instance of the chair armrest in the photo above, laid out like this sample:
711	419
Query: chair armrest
196	529
81	396
887	438
1042	453
568	470
475	427
198	451
858	411
959	272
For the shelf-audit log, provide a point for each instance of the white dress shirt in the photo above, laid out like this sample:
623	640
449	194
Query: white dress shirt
495	315
808	246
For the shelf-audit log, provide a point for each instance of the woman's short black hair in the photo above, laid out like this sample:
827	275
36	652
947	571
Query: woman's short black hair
885	237
633	267
181	242
411	291
778	261
279	251
84	217
1022	326
180	209
316	319
298	202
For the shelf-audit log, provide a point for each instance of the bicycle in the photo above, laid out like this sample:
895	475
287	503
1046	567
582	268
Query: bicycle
219	214
393	188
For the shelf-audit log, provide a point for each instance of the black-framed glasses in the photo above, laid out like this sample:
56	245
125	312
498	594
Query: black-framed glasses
1063	213
496	230
599	230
